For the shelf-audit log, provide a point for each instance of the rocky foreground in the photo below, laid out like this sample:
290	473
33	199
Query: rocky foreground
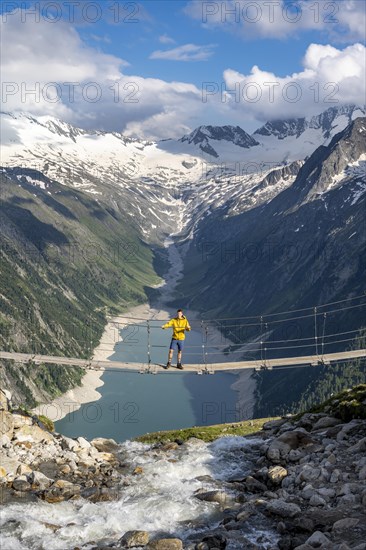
306	487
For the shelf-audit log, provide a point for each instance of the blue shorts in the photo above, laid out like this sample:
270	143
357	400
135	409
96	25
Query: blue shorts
177	344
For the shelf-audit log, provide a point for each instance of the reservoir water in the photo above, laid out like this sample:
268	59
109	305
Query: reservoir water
132	404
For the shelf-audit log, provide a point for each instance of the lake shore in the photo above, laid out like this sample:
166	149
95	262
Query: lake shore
73	399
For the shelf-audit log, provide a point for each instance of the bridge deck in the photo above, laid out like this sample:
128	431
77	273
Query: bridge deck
212	367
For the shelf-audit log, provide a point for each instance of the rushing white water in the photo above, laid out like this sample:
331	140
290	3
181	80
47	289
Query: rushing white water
160	500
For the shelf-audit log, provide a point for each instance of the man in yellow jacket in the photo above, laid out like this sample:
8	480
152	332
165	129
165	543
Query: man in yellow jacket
180	325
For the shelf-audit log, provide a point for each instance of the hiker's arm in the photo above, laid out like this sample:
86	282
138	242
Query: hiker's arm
168	324
188	326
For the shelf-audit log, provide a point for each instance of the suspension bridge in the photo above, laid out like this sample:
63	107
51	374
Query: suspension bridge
246	342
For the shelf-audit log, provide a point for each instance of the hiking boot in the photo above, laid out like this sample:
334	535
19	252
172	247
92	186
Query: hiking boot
179	366
168	365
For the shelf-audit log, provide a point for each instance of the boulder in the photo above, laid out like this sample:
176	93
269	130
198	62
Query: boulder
254	486
4	441
9	465
284	509
83	443
104	445
214	541
33	434
214	496
70	444
345	523
24	469
6	424
4	401
133	539
21	483
61	490
165	544
276	474
317	500
326	422
21	420
309	473
359	447
40	481
273	424
290	440
318	540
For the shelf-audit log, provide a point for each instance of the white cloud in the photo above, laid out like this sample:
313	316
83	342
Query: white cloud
165	39
344	19
43	57
187	52
330	77
37	54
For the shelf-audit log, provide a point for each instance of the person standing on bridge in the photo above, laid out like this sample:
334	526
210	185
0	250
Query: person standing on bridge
180	325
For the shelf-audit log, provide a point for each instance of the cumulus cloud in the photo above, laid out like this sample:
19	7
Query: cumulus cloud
330	77
88	88
84	86
187	52
343	19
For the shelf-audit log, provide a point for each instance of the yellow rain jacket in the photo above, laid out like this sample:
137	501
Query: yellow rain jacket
179	326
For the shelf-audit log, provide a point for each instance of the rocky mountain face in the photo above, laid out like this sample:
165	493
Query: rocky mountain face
65	261
303	247
204	135
327	122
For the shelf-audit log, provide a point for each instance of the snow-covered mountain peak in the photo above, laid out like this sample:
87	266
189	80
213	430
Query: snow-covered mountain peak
204	135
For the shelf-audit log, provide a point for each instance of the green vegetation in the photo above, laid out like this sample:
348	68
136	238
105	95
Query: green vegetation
206	433
47	422
67	261
348	404
294	390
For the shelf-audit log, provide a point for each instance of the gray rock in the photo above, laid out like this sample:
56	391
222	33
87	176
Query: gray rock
6	424
284	509
133	539
9	465
22	420
104	445
21	483
4	441
326	422
33	434
359	447
317	500
254	486
273	424
165	544
70	444
4	401
318	540
214	496
345	523
39	480
83	443
309	473
290	440
335	476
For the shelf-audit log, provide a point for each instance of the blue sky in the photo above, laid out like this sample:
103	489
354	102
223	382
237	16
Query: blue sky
193	42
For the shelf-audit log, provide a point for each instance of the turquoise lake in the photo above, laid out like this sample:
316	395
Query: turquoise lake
132	404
